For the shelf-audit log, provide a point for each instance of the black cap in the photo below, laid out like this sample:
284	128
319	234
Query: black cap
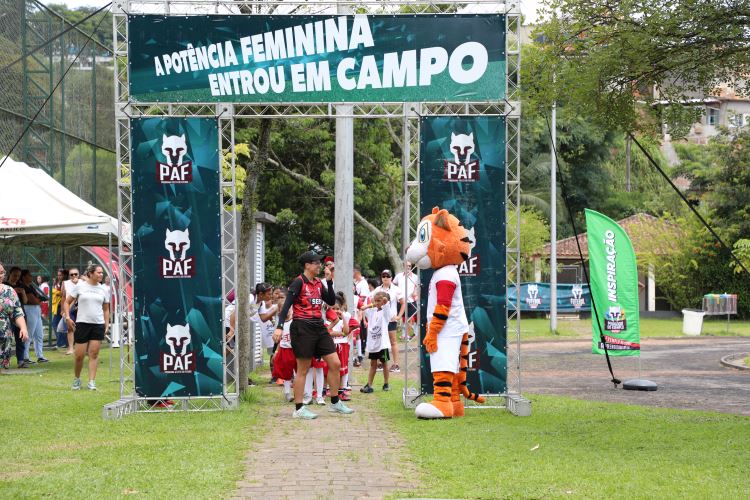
308	257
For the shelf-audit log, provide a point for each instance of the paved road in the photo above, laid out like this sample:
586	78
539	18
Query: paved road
687	371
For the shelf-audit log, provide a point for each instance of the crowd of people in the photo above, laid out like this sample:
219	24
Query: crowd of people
79	306
311	334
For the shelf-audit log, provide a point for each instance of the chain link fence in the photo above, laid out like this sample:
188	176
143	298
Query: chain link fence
56	71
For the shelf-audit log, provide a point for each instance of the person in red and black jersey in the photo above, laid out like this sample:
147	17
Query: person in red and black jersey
309	336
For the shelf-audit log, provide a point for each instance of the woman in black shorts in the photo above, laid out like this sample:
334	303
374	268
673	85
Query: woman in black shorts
309	336
91	324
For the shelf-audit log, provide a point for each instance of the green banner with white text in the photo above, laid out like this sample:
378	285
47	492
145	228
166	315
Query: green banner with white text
177	257
614	287
316	58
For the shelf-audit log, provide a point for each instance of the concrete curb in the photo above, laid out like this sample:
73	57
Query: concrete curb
680	338
736	361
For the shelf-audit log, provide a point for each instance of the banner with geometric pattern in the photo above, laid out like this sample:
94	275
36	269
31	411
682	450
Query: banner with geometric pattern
462	169
177	257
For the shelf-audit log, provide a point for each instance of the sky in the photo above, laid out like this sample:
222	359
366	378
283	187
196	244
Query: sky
528	7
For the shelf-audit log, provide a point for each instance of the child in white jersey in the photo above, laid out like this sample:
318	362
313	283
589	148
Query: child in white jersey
339	330
378	343
284	362
317	373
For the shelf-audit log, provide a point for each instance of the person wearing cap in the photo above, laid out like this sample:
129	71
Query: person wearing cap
396	308
310	338
411	281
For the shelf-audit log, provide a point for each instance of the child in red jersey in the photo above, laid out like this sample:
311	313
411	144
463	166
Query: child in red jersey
340	331
284	362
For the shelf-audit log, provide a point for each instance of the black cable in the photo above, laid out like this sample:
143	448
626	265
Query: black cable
47	42
691	207
52	92
564	190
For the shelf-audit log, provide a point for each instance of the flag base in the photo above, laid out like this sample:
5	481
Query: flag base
639	385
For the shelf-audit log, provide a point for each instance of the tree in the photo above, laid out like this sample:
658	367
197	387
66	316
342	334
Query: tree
697	266
720	181
606	56
298	188
534	235
79	177
252	169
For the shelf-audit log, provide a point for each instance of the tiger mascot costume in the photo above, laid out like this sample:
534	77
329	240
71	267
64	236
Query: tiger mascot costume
442	243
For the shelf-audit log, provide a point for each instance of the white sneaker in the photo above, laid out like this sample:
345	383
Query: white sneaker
307	399
289	397
304	414
92	385
321	401
76	384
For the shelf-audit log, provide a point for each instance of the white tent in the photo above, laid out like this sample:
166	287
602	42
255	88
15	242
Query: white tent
37	210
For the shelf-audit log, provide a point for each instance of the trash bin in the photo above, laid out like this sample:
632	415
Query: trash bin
692	321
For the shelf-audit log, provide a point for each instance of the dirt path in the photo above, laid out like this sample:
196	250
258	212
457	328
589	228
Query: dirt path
687	371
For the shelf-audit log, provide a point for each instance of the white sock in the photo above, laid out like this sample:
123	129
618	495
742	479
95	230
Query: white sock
309	382
319	381
345	381
287	386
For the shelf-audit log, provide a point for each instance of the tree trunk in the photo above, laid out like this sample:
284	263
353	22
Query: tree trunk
247	221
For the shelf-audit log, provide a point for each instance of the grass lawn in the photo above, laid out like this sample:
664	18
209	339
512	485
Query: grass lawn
575	449
56	443
538	328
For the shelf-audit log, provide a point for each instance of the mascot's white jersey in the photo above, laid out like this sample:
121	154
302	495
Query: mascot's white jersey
456	324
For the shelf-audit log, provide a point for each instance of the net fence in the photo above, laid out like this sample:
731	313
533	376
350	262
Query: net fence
54	73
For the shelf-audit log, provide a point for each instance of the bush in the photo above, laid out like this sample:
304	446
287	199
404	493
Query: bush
700	266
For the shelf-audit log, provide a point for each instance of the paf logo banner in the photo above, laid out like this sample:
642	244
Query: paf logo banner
177	257
614	287
177	264
462	169
314	58
173	170
180	358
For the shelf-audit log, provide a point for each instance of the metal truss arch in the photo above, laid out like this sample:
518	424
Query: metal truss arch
408	113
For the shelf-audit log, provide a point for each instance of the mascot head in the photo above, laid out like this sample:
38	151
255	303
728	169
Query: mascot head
441	240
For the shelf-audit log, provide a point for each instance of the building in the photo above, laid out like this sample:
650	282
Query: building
645	232
723	109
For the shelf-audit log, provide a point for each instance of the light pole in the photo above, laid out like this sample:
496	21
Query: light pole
553	223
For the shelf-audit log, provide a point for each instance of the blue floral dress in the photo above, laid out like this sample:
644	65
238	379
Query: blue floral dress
10	309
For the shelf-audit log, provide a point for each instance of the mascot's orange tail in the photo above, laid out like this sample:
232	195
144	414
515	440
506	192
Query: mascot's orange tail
464	366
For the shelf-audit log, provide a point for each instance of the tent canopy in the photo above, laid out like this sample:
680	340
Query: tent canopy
37	210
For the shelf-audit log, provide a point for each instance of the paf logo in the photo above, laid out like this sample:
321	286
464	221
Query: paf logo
532	296
470	266
174	171
178	265
462	168
577	300
614	319
179	359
